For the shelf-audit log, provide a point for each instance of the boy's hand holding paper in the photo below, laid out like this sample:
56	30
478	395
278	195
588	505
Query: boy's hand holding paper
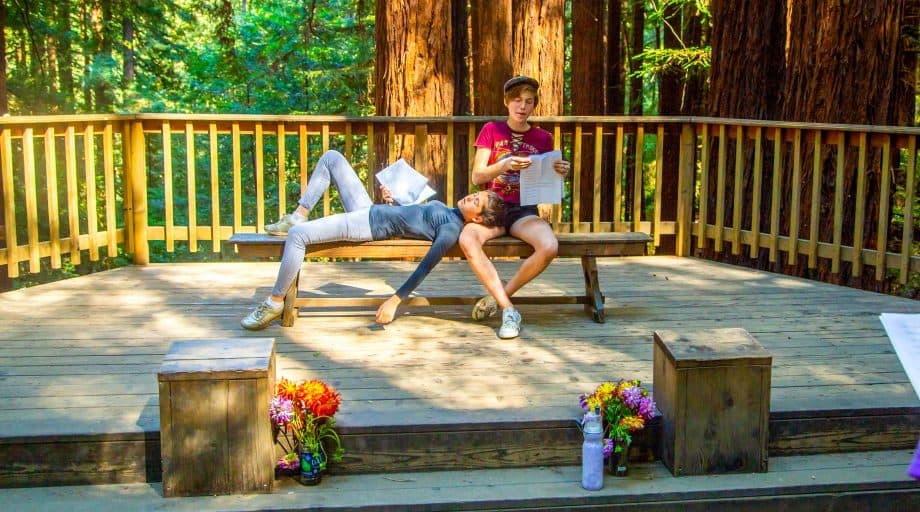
406	185
540	183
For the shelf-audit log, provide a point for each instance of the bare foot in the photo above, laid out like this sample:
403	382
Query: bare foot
387	310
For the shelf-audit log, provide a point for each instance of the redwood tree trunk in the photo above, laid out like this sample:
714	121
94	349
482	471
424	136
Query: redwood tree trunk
4	100
490	53
694	35
670	94
861	44
588	91
613	101
539	50
747	58
748	39
415	76
636	47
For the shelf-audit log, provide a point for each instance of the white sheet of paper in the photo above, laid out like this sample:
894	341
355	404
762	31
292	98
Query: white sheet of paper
904	332
406	184
540	184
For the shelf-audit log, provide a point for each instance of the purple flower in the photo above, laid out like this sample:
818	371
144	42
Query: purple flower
608	447
289	461
583	401
647	407
281	411
632	396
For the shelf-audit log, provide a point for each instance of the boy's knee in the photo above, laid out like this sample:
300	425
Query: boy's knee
332	156
548	249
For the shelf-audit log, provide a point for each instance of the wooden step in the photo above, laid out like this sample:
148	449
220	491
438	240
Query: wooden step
135	457
829	482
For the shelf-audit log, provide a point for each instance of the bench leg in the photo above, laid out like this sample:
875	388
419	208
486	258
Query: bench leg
595	304
290	312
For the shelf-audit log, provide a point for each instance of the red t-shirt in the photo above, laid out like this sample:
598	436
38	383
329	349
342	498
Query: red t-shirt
503	142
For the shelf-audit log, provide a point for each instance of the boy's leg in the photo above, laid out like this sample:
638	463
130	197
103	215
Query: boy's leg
352	226
333	167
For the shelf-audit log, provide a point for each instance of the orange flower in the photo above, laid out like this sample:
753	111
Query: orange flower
286	389
632	423
321	399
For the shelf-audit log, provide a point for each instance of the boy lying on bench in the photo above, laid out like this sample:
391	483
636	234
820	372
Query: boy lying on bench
365	221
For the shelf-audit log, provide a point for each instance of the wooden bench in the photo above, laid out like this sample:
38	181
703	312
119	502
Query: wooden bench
587	246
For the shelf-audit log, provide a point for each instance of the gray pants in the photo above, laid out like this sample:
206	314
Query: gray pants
352	226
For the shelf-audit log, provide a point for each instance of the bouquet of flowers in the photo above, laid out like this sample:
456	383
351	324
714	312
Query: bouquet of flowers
302	419
625	407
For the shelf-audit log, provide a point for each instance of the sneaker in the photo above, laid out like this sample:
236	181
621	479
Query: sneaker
485	308
261	317
281	227
511	324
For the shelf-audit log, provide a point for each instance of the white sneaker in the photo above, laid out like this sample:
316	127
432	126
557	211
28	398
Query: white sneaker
260	317
284	224
511	324
485	308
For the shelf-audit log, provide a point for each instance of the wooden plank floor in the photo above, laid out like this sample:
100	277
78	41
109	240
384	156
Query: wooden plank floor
851	481
80	356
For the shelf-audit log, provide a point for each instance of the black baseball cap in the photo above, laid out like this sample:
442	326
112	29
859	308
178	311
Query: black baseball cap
518	80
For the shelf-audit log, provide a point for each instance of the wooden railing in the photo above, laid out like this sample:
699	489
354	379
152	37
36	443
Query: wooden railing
80	186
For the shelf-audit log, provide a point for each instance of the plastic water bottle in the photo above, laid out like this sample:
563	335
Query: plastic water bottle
592	452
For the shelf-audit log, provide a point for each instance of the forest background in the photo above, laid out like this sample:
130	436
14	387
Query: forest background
802	60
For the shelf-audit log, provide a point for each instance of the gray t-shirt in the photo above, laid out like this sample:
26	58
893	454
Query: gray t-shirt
431	221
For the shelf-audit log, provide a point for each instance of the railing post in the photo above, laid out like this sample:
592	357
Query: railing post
686	168
138	171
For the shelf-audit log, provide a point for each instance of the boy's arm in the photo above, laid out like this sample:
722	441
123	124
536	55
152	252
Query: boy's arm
447	237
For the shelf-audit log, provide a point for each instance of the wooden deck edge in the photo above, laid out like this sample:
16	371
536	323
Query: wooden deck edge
135	457
861	481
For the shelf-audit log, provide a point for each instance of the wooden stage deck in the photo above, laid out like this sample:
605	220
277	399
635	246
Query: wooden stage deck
78	360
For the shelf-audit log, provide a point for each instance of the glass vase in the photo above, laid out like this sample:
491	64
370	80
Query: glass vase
311	467
618	463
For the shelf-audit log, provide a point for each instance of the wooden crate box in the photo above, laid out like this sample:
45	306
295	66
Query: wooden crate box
215	432
712	388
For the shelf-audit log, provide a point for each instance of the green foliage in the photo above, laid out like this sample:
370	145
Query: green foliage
661	61
199	56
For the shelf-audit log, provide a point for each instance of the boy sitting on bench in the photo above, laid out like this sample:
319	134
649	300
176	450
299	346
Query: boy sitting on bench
365	221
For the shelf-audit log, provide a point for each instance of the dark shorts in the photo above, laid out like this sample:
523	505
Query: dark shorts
514	213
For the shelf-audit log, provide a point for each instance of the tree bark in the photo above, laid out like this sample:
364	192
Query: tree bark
637	46
102	18
745	79
87	57
539	49
414	76
747	58
127	33
65	58
694	35
4	99
862	44
615	84
588	96
490	54
5	283
614	100
462	95
670	94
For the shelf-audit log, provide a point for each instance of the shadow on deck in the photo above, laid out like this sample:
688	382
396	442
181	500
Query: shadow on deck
434	390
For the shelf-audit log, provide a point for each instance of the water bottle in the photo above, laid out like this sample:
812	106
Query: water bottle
592	452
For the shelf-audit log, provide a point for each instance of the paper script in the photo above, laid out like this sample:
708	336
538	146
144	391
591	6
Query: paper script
904	332
540	184
406	185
